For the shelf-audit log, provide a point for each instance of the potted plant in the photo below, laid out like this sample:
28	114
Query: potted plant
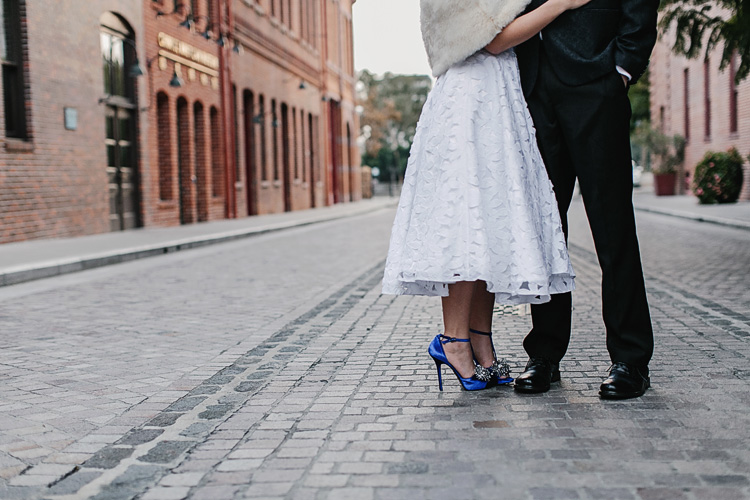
668	154
718	177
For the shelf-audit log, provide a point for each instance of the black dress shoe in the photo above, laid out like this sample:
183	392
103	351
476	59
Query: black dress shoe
538	376
624	382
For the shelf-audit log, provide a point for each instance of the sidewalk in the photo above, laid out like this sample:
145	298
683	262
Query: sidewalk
31	260
36	259
687	207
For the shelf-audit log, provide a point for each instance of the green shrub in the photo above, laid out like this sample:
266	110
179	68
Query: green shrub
718	177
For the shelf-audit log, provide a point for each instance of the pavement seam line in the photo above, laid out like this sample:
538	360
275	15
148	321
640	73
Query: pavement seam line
173	432
301	379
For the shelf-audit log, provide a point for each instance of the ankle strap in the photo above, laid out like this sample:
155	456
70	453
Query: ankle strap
447	340
486	334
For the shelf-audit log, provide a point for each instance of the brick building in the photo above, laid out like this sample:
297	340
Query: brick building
58	174
697	100
167	112
293	94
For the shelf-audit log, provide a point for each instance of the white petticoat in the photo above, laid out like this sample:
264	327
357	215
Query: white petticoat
476	202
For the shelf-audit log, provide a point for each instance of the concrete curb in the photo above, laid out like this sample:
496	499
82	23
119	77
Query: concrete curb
51	268
738	224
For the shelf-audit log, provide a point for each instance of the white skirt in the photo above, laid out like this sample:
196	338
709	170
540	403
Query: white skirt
477	203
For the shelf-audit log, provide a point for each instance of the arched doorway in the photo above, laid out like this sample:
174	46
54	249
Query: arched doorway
121	106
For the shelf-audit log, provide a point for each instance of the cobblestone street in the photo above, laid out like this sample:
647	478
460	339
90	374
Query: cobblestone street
272	367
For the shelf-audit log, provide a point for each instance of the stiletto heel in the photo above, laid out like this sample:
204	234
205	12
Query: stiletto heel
499	372
438	355
440	375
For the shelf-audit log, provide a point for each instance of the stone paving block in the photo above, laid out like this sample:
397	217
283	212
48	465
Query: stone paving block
351	378
158	493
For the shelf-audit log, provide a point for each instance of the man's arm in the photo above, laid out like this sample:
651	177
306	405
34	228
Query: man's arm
636	36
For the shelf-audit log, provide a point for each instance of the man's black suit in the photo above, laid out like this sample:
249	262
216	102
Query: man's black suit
581	112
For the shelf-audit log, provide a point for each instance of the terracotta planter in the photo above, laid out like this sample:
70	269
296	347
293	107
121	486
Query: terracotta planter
665	184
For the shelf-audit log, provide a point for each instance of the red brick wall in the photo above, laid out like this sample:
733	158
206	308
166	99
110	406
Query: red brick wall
667	73
56	184
161	197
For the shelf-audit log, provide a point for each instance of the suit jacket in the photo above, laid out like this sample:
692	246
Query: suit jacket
587	43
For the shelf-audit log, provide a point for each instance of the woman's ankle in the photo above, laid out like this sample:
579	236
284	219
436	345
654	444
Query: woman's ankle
460	356
483	350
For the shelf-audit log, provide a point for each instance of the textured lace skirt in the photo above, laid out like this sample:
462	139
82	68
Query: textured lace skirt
476	202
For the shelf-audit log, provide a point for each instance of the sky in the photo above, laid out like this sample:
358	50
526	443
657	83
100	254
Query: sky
387	37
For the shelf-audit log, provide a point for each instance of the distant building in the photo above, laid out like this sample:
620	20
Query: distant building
119	114
697	100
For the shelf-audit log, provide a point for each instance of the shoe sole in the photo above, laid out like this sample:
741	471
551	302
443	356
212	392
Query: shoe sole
620	395
535	390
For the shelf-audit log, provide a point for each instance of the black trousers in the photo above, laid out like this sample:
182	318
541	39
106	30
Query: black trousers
583	132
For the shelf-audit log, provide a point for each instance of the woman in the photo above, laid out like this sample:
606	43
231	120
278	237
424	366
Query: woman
477	222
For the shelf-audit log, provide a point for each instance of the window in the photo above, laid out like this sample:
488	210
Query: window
184	162
295	138
733	95
199	160
235	114
217	161
303	149
662	119
707	98
311	155
275	125
118	56
251	164
262	122
165	146
11	56
686	101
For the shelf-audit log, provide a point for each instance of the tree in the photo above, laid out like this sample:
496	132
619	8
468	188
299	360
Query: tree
639	95
708	24
391	106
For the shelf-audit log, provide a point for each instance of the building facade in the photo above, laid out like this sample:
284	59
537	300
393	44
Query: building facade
120	114
69	118
701	102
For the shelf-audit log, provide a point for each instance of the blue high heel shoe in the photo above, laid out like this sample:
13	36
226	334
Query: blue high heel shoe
438	355
499	372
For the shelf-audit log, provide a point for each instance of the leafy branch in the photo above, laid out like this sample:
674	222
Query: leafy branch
703	25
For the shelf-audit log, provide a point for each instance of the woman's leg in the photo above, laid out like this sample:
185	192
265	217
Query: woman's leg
456	312
482	304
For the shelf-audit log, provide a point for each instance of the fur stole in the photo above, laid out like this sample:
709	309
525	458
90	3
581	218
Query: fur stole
453	30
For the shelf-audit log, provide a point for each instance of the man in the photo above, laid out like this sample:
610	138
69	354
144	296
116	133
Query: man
575	76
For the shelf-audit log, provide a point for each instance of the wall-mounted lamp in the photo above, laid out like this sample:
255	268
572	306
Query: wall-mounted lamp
302	85
188	22
176	81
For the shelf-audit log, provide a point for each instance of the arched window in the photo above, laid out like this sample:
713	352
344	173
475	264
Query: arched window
295	139
217	160
251	165
274	131
165	146
303	139
263	148
184	162
201	172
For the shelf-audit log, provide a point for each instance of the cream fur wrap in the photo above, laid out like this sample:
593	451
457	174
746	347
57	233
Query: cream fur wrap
453	30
